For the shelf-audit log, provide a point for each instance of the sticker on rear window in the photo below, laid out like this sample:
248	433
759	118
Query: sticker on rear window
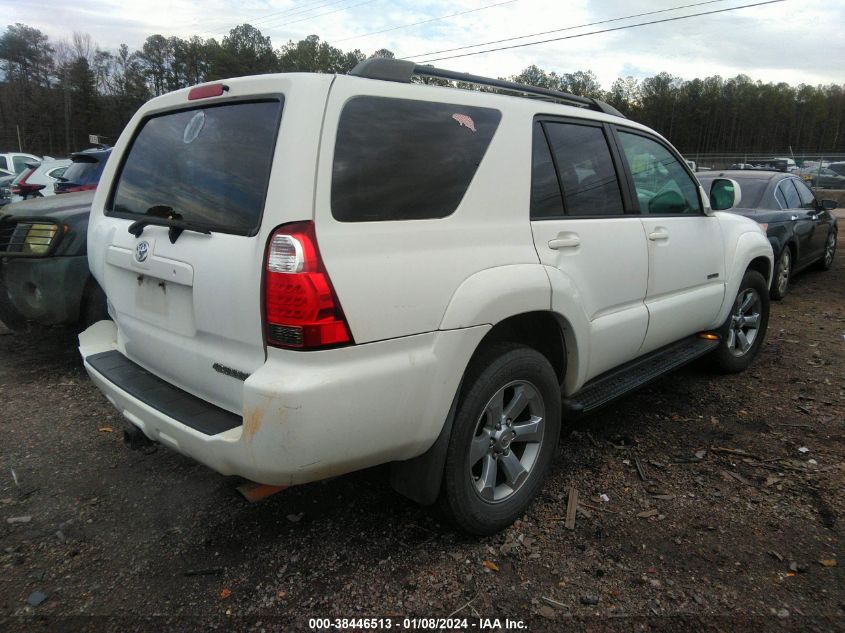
465	121
193	128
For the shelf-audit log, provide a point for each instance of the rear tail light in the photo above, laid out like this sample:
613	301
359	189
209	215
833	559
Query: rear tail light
301	310
23	188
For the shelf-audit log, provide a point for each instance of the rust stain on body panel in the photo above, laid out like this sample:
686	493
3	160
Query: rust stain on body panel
253	418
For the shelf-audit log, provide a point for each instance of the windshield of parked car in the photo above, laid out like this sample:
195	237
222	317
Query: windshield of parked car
210	165
751	190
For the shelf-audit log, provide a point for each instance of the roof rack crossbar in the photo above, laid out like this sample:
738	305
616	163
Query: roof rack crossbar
402	71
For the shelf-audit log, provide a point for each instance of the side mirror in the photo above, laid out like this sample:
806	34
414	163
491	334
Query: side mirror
724	194
830	205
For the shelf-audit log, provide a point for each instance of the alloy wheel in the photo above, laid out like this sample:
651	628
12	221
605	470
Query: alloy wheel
745	322
784	271
829	249
507	441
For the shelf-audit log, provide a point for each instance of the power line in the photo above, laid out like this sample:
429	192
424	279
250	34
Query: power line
295	11
567	28
319	15
617	28
213	31
442	17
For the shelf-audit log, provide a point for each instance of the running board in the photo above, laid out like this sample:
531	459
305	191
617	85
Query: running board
636	373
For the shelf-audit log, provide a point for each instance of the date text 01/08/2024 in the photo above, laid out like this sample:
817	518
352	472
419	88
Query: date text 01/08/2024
416	624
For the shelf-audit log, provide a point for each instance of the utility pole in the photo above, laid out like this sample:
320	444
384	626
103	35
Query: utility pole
20	146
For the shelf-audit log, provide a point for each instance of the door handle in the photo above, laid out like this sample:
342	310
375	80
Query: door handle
565	240
658	234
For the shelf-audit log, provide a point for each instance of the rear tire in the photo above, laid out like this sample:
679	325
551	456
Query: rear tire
503	440
783	271
744	331
826	261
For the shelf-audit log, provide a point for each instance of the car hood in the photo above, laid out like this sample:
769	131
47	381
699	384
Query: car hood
60	206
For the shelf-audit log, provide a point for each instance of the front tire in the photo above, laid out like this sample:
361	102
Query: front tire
744	331
783	271
504	438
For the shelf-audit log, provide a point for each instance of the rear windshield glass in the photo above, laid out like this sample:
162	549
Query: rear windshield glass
209	166
84	172
401	159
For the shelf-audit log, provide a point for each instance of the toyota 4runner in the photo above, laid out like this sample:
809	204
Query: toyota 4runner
311	274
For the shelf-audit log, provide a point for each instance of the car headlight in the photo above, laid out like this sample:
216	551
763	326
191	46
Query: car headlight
39	238
33	238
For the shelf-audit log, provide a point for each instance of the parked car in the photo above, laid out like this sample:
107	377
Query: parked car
824	177
6	189
801	229
38	179
84	172
838	167
372	282
15	162
44	274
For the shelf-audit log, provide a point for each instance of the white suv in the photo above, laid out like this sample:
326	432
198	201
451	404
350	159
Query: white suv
311	274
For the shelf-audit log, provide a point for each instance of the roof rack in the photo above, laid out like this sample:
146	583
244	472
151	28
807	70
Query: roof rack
401	71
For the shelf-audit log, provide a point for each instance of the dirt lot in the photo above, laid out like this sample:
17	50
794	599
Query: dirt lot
739	523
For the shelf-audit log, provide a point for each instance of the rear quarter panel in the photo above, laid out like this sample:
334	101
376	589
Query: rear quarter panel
396	278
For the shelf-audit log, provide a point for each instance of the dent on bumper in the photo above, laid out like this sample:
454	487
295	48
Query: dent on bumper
313	415
47	290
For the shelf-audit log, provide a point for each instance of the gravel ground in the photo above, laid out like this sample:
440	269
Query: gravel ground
735	523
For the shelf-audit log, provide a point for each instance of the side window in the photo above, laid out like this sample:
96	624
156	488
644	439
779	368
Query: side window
585	169
55	173
545	190
780	197
4	163
790	194
404	159
808	200
663	185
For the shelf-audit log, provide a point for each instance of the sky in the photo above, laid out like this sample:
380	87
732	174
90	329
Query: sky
785	41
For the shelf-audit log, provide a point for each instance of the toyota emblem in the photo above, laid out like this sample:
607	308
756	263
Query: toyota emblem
141	251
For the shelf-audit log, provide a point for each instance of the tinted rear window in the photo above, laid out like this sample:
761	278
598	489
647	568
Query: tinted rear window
84	172
400	159
207	165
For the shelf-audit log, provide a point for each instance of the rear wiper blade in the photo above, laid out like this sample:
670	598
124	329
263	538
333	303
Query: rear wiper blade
176	227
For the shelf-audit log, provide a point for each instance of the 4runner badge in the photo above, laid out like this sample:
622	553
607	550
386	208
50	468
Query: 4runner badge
141	251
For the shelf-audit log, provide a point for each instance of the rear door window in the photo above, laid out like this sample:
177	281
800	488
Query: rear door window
402	159
209	166
789	195
546	201
585	169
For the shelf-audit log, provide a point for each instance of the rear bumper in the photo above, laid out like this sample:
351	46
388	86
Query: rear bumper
313	415
47	290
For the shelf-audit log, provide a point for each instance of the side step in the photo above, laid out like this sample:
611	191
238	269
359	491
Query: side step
636	373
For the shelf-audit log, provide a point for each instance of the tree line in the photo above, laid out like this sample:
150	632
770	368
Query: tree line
54	94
